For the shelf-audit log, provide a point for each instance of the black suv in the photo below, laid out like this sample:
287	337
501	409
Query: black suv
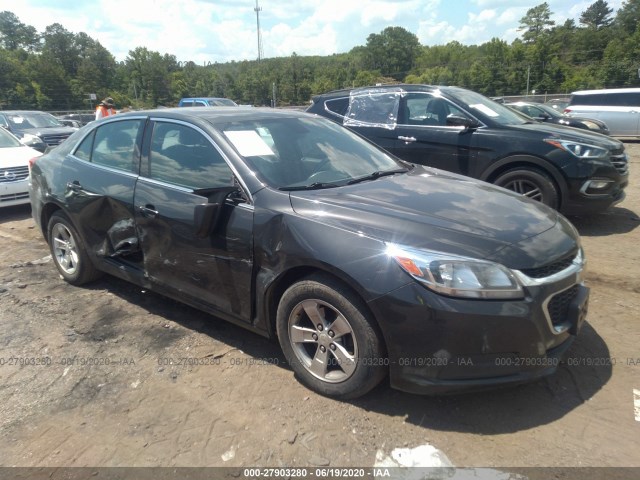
462	131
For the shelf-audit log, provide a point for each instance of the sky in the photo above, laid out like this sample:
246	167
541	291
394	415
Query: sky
209	31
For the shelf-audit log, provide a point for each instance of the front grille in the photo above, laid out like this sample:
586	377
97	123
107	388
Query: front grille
53	140
13	174
14	196
621	163
549	269
558	307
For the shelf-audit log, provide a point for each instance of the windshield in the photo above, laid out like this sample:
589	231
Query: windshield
553	113
33	120
486	109
221	102
7	140
294	152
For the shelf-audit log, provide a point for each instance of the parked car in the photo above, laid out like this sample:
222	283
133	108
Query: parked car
295	228
81	119
38	130
14	170
558	104
207	102
464	132
544	113
618	107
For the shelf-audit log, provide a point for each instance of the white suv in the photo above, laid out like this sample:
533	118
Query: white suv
619	108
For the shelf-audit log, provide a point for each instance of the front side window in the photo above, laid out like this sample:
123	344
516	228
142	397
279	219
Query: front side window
116	145
427	110
183	156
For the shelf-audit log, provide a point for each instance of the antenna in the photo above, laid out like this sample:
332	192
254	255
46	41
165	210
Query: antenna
258	9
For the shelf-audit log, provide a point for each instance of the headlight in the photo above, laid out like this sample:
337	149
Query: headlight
457	276
591	125
580	150
29	140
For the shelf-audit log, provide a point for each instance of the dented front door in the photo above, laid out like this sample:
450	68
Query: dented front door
182	169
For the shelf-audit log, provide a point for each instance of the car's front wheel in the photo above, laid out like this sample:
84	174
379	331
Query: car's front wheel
530	183
328	339
68	251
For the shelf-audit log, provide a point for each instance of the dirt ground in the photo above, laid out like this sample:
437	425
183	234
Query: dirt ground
112	375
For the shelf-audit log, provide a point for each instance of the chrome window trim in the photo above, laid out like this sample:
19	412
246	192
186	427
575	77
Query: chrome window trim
181	189
127	173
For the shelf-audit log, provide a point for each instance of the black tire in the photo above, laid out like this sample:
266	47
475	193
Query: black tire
353	360
68	251
531	183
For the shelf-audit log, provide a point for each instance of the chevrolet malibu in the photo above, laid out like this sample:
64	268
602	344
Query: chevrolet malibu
363	266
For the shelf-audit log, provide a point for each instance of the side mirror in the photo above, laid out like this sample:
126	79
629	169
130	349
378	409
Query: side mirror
460	121
207	215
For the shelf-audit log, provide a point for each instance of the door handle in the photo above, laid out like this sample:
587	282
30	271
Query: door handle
148	211
74	186
407	139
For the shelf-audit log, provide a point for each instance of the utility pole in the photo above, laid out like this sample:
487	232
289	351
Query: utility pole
258	9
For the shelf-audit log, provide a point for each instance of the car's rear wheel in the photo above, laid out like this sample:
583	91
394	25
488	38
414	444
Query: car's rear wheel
328	339
68	252
531	183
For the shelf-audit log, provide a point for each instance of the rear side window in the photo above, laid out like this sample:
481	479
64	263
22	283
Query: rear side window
618	99
183	156
373	107
116	146
113	145
84	149
339	106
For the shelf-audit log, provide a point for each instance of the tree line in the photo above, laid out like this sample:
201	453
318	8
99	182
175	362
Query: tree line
57	69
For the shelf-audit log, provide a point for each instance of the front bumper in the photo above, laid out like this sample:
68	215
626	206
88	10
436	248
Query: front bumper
582	198
438	344
14	193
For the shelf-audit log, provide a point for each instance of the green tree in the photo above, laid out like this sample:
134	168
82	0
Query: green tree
14	34
628	17
536	22
597	15
392	51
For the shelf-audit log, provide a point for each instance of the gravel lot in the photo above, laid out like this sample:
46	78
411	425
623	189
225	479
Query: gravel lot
112	375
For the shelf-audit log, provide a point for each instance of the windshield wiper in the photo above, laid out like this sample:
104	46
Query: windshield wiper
313	186
377	174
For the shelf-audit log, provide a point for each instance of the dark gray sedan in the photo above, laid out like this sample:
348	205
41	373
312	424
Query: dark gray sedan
285	223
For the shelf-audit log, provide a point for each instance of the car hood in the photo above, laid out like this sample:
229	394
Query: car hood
47	131
16	156
569	133
435	210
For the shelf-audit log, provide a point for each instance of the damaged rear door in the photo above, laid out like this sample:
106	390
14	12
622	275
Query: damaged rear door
100	177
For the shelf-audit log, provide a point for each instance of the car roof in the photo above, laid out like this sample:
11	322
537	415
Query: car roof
215	115
408	87
607	90
20	112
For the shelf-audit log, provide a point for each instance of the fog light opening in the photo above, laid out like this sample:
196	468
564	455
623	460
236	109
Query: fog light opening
595	187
